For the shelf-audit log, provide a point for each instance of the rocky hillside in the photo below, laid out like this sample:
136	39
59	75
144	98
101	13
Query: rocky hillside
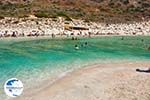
89	10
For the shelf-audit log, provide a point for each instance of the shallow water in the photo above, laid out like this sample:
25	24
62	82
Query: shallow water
35	60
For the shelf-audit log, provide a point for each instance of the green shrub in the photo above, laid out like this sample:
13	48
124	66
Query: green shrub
42	15
2	17
62	14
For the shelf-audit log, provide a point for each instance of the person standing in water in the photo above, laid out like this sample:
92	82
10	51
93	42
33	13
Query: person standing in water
86	43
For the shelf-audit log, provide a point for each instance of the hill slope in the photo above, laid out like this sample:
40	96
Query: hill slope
93	10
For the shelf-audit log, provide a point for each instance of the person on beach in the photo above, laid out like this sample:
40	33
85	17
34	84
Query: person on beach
53	35
89	34
74	38
22	34
13	34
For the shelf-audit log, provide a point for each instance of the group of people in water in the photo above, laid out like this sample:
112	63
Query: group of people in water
142	40
77	47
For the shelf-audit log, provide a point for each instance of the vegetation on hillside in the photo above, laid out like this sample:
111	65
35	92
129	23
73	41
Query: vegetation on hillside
89	10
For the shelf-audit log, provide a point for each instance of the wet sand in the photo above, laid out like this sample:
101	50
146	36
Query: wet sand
114	81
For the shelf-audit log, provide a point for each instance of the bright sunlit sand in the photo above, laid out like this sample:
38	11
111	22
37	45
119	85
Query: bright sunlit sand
112	81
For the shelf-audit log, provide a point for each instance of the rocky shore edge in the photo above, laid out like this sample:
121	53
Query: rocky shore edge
34	27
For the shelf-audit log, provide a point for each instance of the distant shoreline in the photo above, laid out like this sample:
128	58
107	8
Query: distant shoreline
24	38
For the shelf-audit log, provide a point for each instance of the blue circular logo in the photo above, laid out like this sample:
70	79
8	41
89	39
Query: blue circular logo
13	87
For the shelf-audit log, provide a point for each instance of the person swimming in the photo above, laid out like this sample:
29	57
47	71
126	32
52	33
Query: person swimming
82	45
76	47
86	43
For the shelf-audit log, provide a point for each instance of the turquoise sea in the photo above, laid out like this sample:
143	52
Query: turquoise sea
33	61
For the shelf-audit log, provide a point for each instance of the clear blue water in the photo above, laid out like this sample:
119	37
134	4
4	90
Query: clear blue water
34	60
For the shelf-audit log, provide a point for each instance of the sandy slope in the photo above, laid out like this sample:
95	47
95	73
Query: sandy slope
118	81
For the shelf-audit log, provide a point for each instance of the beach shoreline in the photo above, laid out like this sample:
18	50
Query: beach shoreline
90	83
26	38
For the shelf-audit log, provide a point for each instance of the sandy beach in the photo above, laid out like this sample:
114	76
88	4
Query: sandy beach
75	50
112	81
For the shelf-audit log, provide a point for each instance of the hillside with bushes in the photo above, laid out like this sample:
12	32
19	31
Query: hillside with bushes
89	10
